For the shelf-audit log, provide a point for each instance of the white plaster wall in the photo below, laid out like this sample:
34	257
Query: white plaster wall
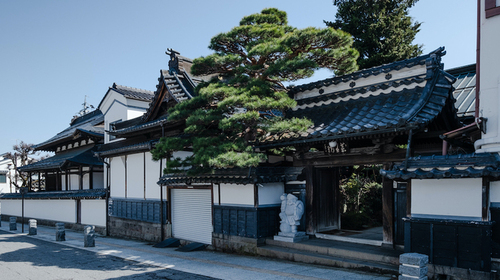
495	191
10	207
63	182
447	197
86	181
216	194
98	178
93	212
236	194
135	112
117	177
74	182
135	176
489	82
270	193
152	177
5	187
61	210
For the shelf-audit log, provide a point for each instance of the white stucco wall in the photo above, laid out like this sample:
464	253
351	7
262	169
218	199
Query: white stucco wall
447	197
93	212
98	179
135	176
117	177
236	194
152	177
270	193
74	182
489	100
495	191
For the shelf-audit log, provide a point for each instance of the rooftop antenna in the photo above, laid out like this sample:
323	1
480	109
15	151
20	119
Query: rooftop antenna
86	107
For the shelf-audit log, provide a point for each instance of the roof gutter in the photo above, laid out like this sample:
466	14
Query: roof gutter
478	60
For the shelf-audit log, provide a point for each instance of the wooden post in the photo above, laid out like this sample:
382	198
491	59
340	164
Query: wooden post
80	179
387	209
485	199
66	178
91	177
255	195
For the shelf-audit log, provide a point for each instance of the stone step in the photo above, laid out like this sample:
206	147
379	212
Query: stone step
334	261
337	249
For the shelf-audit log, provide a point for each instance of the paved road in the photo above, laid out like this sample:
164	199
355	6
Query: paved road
23	257
41	257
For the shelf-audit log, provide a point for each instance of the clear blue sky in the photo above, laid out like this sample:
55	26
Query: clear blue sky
54	53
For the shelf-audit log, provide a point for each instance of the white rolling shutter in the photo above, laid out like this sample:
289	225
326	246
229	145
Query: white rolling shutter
192	214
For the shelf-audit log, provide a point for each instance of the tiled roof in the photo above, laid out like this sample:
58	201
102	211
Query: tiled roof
78	156
134	93
172	86
87	124
465	89
399	102
449	166
74	194
111	149
140	126
250	175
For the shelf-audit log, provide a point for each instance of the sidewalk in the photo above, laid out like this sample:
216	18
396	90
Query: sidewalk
208	263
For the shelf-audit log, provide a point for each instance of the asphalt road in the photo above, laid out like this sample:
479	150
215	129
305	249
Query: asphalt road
22	258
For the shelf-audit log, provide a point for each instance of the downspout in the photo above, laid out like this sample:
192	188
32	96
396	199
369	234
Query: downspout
108	190
162	230
478	60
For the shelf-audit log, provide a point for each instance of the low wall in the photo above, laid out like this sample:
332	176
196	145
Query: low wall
240	228
93	212
55	210
453	243
133	229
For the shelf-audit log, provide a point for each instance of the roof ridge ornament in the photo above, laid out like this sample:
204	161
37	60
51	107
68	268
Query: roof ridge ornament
173	63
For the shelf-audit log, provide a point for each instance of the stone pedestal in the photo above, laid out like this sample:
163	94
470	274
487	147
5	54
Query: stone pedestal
89	236
60	232
291	237
413	266
12	223
33	227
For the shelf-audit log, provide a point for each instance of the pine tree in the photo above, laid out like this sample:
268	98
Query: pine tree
383	31
248	99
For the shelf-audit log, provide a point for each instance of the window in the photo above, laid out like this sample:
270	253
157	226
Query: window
3	178
492	8
111	128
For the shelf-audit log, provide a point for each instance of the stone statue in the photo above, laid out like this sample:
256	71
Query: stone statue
291	212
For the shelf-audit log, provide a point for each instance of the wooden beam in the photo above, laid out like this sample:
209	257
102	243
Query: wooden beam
349	160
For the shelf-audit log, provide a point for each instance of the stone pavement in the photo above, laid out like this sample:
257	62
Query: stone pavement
206	263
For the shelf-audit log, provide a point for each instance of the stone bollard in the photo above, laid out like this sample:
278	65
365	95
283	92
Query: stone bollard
12	223
60	232
33	227
413	266
89	236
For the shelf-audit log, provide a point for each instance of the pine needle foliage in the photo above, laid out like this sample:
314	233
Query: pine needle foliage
248	99
383	31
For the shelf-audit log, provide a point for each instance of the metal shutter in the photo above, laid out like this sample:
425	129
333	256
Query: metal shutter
192	215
